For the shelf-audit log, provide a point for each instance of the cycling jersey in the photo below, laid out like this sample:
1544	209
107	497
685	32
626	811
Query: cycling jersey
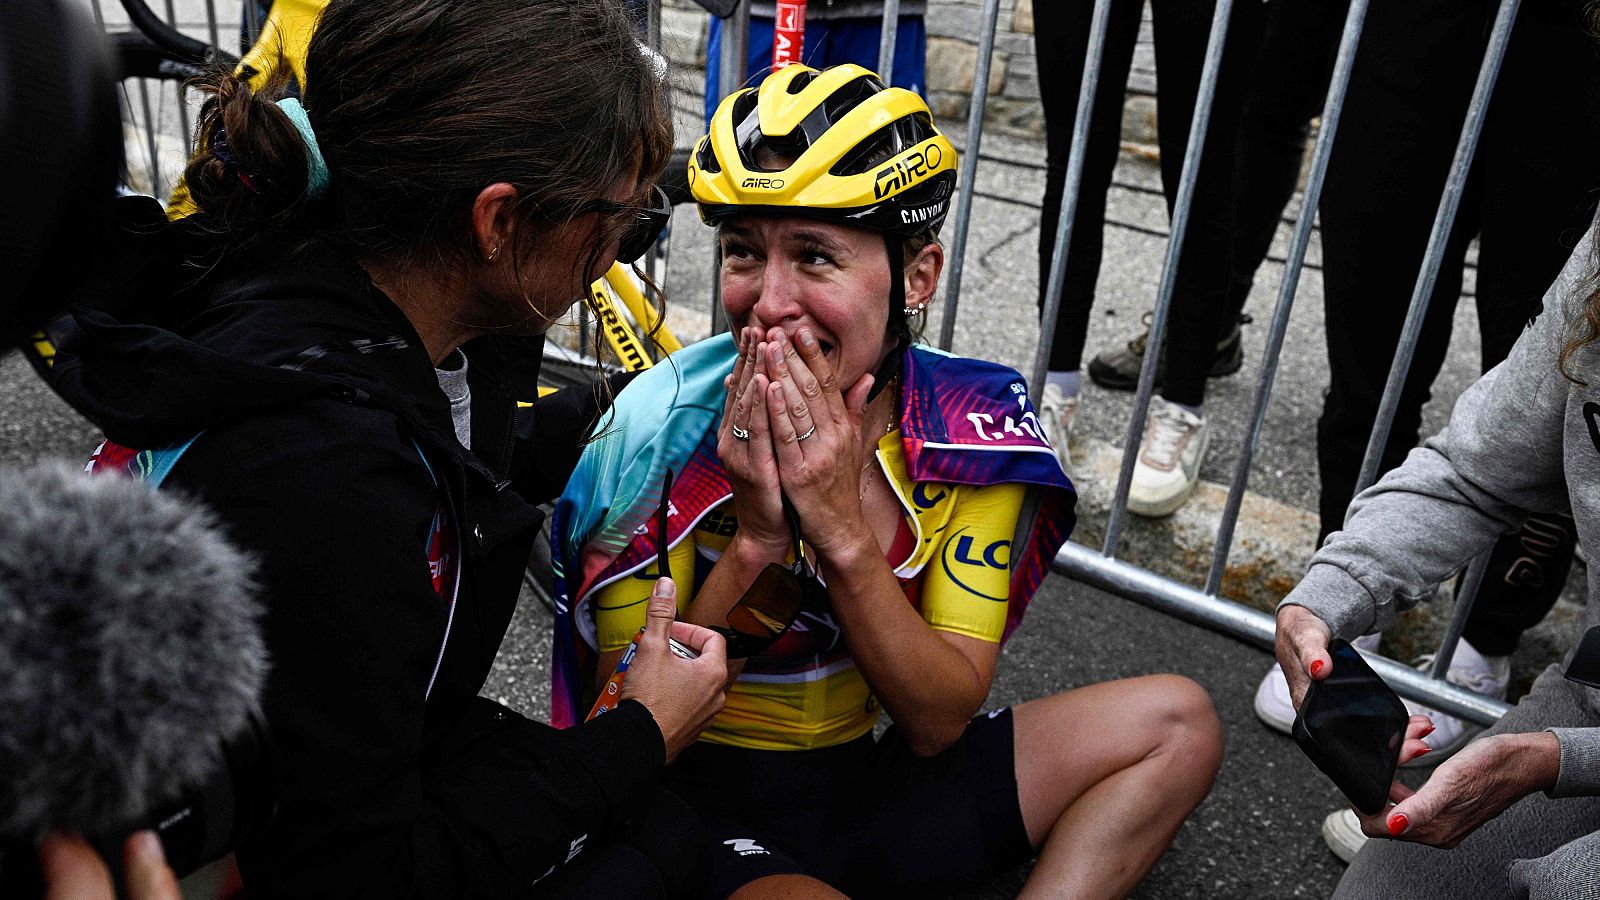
952	558
961	464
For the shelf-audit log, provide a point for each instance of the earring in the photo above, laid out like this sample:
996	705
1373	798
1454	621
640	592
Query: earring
913	310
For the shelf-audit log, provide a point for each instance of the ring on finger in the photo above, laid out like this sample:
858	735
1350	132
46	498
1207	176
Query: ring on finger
809	432
742	434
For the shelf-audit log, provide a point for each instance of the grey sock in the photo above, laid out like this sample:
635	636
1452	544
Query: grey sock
1068	382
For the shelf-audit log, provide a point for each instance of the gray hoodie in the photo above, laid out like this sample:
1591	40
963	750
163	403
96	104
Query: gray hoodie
1522	439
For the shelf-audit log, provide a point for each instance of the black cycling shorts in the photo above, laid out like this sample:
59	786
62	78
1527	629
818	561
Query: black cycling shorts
868	817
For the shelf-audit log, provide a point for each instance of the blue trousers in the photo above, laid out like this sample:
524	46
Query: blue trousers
829	42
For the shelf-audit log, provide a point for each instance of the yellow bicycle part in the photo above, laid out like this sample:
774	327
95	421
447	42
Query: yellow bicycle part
640	309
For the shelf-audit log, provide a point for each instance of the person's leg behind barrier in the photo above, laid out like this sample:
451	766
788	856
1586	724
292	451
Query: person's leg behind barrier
1177	432
1061	42
1479	867
1288	89
1411	83
1198	311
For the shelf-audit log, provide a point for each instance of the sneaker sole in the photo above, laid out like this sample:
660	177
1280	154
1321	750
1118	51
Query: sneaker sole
1162	508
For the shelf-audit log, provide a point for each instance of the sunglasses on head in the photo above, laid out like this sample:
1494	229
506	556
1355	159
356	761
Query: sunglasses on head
646	226
773	600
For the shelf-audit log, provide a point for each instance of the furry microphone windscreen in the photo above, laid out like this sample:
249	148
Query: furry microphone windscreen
130	648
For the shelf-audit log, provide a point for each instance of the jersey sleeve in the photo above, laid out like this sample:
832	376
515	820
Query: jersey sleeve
966	586
619	607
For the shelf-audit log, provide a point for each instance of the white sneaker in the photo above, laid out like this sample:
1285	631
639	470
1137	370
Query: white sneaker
1341	831
1273	705
1169	460
1487	675
1056	412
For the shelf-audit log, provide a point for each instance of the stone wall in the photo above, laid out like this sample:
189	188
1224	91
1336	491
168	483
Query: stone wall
953	28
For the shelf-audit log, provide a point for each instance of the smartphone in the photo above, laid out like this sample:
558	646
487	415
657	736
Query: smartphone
1352	725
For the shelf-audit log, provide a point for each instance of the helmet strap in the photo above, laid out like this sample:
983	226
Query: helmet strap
899	328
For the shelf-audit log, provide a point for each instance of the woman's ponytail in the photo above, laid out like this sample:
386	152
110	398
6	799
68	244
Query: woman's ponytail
253	171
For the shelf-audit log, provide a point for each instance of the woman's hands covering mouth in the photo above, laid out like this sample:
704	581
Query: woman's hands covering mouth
789	428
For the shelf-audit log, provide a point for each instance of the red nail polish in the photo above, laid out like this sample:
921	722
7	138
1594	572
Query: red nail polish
1422	751
1427	732
1316	667
1398	823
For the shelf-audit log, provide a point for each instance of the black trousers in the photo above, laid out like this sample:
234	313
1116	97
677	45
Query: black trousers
1181	30
1528	200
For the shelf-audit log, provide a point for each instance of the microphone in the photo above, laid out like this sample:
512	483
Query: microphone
131	663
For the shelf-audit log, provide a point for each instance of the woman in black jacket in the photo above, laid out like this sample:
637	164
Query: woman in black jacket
456	176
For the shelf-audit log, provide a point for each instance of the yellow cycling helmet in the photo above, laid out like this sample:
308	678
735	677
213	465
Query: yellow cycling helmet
833	144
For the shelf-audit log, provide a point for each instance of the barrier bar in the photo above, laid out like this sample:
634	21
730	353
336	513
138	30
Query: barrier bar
211	23
1332	109
1466	598
1255	627
886	38
1198	126
178	86
652	26
969	162
733	52
252	26
1466	148
150	138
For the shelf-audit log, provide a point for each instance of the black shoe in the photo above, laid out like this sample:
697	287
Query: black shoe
1118	370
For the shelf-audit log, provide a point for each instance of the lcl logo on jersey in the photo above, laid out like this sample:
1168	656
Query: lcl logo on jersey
963	551
906	172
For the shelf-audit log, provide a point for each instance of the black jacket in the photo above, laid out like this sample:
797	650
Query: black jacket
317	404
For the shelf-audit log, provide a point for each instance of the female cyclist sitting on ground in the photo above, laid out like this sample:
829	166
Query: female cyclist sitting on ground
908	471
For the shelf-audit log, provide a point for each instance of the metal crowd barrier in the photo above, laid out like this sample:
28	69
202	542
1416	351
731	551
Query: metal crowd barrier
1205	607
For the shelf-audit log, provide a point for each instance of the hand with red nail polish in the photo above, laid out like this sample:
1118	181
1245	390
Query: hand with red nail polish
1302	649
1468	789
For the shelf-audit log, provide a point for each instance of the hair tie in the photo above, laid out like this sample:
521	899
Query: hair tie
230	163
316	166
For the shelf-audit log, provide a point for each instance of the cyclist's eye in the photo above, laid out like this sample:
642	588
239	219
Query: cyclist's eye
816	256
735	250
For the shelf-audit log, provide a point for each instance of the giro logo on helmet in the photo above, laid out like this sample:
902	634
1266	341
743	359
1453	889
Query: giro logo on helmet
907	172
770	184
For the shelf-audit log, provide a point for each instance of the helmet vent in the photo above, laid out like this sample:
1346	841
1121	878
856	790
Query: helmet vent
799	82
889	141
849	96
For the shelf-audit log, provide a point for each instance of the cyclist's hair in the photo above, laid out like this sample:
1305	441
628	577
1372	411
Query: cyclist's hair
417	105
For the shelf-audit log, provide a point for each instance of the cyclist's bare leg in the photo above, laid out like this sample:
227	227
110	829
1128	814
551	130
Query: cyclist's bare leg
1106	774
785	887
